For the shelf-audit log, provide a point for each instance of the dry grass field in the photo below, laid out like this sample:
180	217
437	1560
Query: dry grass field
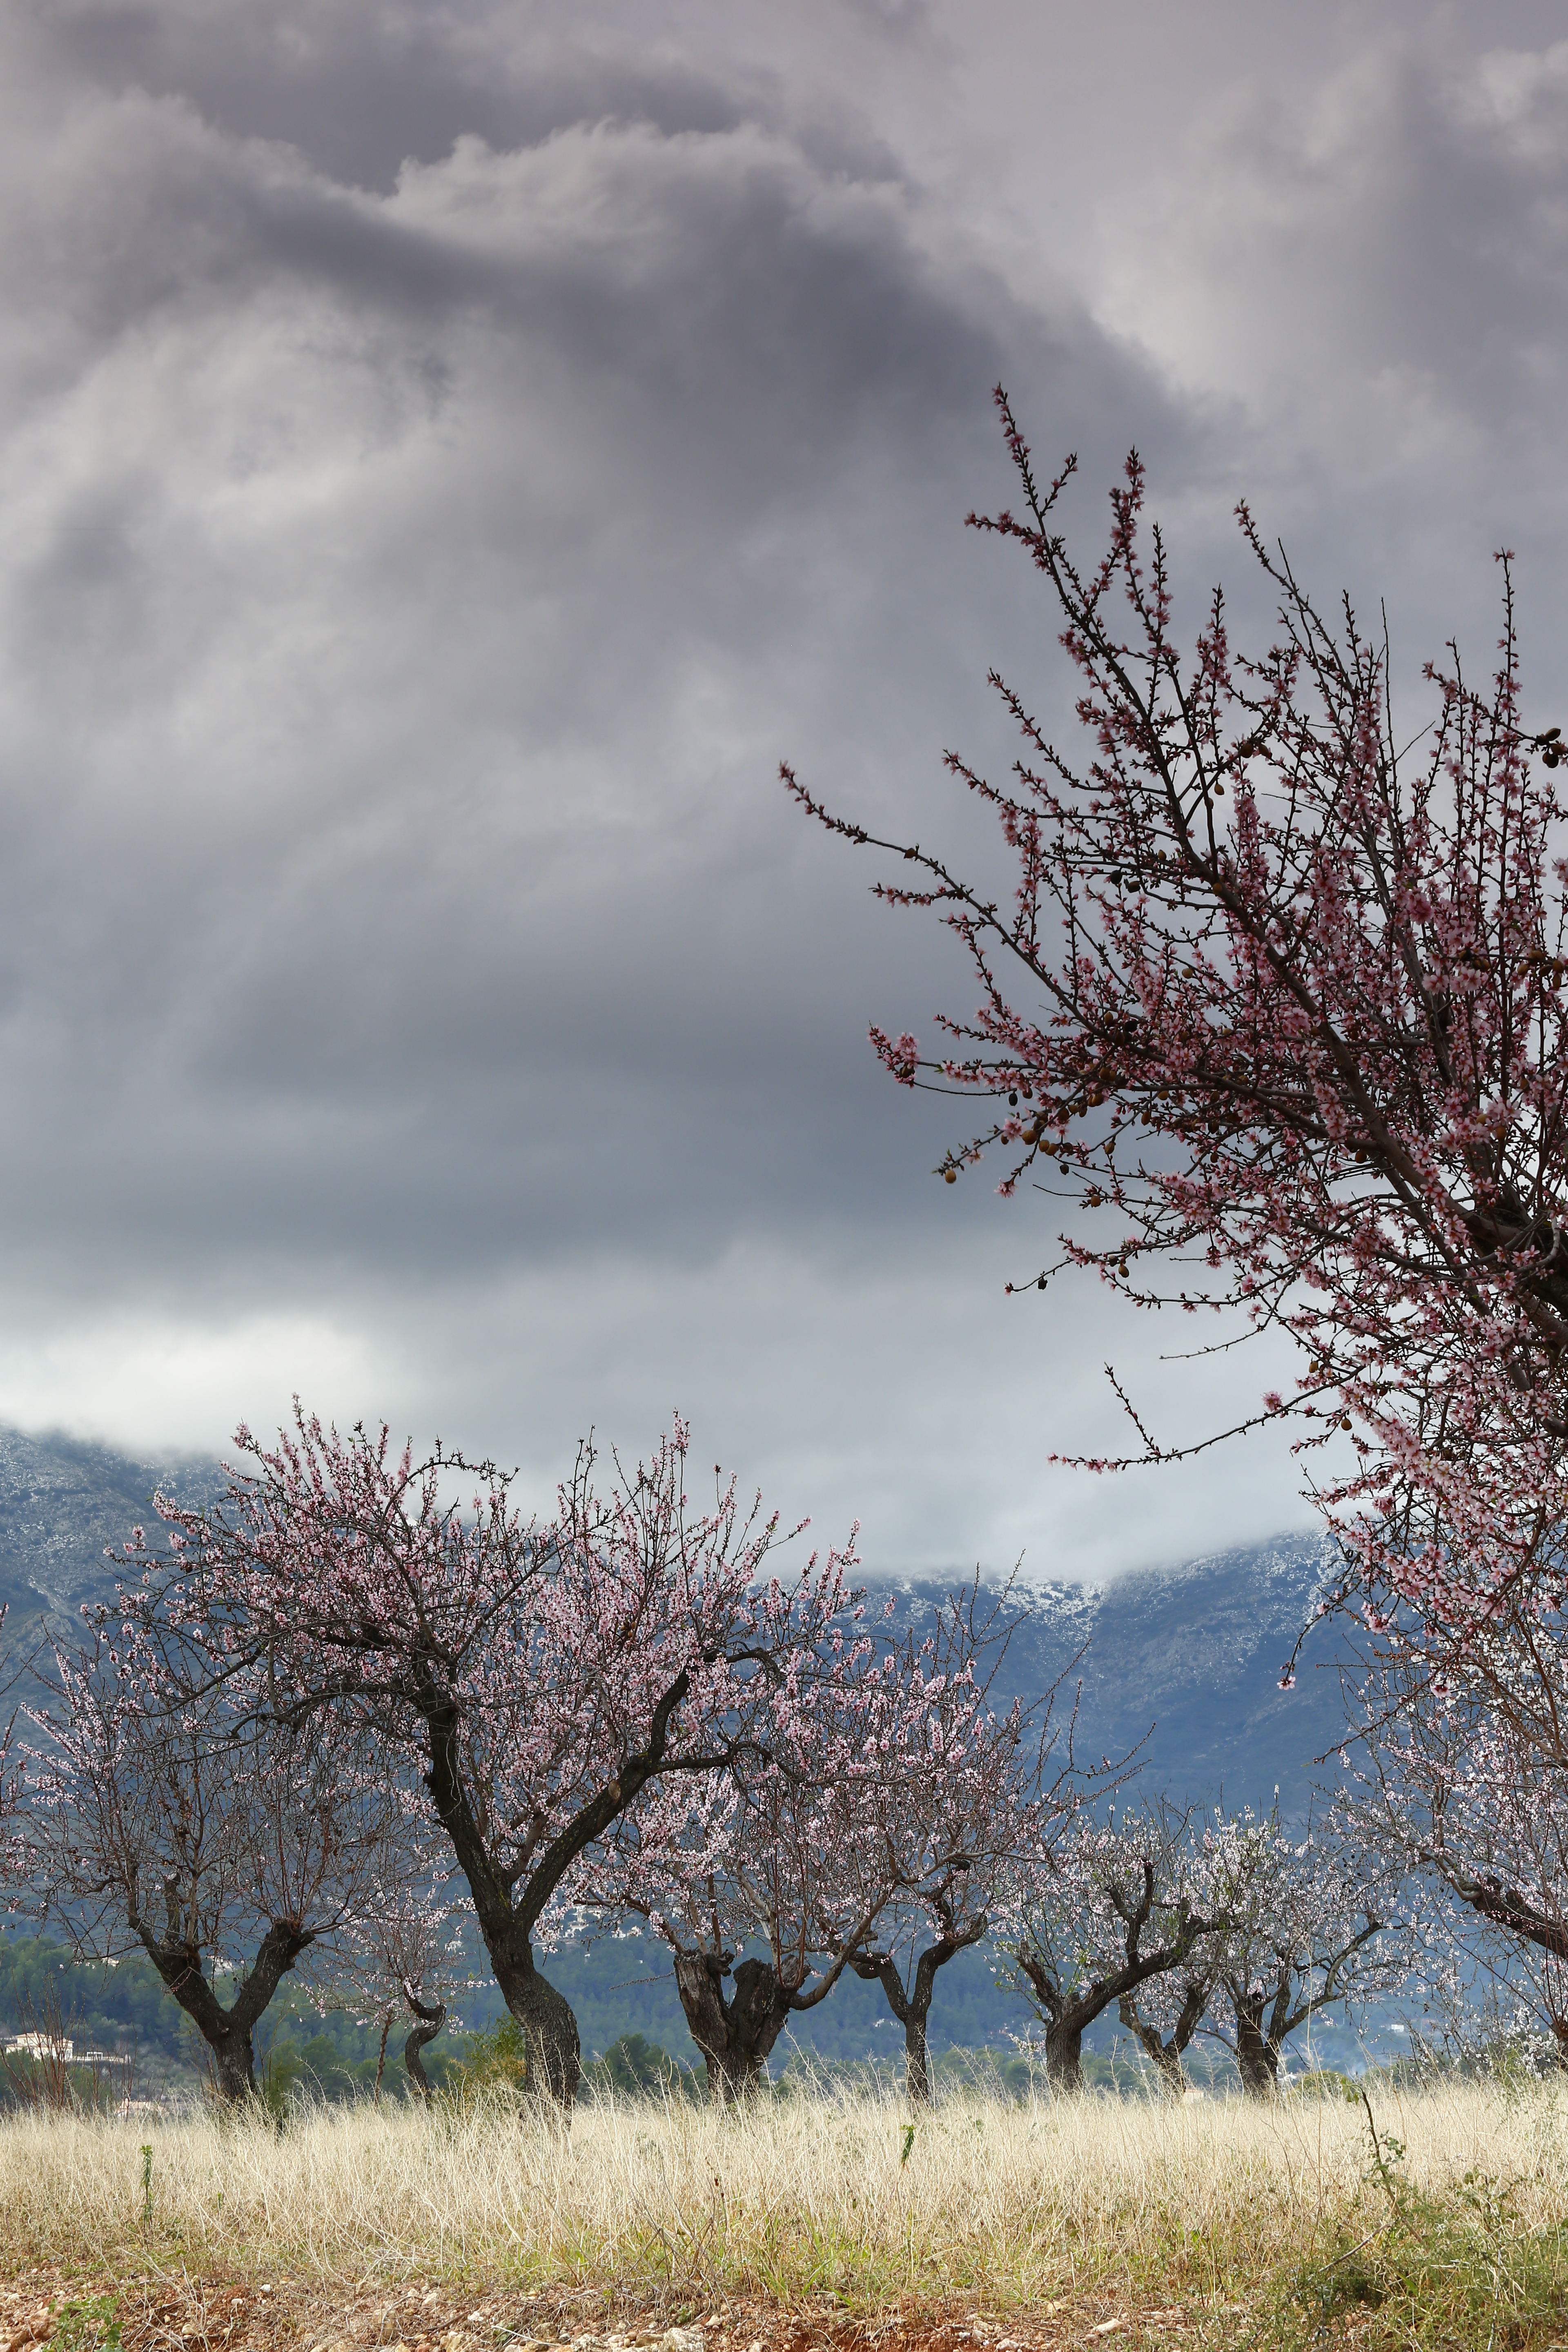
806	2221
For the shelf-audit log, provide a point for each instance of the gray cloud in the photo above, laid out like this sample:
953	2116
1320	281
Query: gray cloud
401	566
359	96
1372	278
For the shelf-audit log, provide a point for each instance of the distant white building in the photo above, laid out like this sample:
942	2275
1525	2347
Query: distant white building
41	2045
62	2050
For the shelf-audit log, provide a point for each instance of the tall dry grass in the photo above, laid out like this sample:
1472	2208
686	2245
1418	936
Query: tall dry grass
998	2204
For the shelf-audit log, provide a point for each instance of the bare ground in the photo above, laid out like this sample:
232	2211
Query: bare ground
172	2313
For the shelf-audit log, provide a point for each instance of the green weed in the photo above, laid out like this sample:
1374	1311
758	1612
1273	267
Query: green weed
1454	2271
89	2326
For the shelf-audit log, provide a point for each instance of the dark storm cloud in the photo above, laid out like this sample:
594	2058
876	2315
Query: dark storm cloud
411	596
358	96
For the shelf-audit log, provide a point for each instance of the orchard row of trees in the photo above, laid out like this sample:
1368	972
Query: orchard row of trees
355	1701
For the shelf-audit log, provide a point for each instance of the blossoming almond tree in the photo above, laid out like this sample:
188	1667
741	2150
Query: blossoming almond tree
1227	1858
1275	1012
1462	1772
166	1815
1313	1925
787	1850
965	1791
539	1680
1101	1913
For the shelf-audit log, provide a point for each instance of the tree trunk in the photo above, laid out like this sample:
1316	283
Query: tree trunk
234	2062
1257	2058
229	2034
912	2006
429	2024
550	2039
1167	2056
550	2029
917	2063
735	2036
552	2047
1064	2053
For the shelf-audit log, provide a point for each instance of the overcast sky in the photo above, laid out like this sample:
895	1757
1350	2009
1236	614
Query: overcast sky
447	456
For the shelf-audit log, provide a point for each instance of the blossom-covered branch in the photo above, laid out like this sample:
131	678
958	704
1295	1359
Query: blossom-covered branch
1276	1012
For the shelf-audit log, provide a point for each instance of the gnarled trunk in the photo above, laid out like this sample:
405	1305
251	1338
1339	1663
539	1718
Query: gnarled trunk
1064	2051
550	2039
229	2034
428	2026
381	2055
917	2058
234	2064
1065	2022
1167	2056
735	2036
911	2004
553	2046
1068	2014
1257	2055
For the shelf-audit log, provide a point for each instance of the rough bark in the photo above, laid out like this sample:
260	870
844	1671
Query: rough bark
229	2034
1167	2056
1505	1907
553	2046
735	2036
1257	2051
428	2026
1064	2050
911	2004
506	1921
